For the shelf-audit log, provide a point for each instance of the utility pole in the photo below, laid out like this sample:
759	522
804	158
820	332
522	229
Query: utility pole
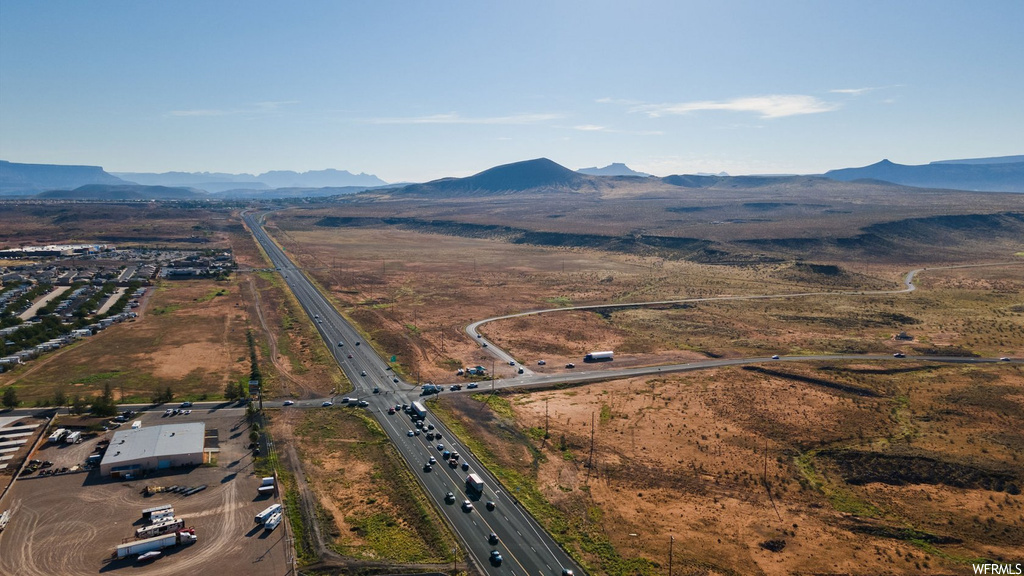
590	458
546	433
671	539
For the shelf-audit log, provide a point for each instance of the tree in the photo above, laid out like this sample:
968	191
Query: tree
78	404
59	397
104	405
10	397
231	391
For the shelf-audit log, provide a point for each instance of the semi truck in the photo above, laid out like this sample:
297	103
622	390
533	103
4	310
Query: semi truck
599	356
475	483
262	517
419	410
140	547
161	527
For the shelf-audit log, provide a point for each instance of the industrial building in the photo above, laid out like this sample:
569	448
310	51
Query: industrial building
132	452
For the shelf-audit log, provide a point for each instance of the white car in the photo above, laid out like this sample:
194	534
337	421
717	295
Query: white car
1004	359
775	357
327	403
288	402
541	362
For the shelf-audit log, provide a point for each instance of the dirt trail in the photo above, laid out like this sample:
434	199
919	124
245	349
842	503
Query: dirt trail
275	357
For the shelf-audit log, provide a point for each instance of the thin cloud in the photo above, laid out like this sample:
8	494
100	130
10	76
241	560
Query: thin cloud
597	128
590	128
771	106
454	118
254	108
853	91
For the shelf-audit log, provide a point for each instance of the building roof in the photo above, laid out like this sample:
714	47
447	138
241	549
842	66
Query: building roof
155	441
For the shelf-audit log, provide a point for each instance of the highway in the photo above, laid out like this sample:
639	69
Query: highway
524	546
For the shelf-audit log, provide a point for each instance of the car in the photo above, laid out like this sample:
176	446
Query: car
340	344
410	433
432	460
319	321
449	498
484	344
570	365
521	371
437	435
899	355
416	432
465	466
427	467
430	426
1004	359
490	505
183	412
775	357
391	410
168	412
363	403
316	315
289	402
496	558
357	342
395	380
446	454
492	538
346	399
327	403
511	362
186	404
398	407
363	373
440	447
455	455
467	505
479	336
541	362
376	389
567	572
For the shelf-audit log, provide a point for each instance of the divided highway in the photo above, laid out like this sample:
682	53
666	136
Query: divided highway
525	547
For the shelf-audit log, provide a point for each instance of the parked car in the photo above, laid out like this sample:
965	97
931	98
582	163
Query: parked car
570	365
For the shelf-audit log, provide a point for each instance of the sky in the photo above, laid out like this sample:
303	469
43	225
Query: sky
417	90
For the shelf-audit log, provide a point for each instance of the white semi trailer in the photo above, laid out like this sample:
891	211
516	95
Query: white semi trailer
157	543
599	356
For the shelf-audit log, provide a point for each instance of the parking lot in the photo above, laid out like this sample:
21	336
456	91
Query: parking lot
71	523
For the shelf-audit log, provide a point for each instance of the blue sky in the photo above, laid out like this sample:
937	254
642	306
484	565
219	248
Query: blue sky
417	90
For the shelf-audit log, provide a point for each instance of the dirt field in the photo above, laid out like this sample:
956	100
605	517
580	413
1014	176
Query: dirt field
190	335
689	456
70	524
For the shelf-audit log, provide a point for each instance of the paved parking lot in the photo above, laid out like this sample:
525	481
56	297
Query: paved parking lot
71	523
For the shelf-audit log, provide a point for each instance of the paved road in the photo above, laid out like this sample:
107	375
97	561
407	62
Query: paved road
523	544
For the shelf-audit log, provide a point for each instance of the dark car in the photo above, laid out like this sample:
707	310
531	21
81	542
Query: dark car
490	505
496	558
492	538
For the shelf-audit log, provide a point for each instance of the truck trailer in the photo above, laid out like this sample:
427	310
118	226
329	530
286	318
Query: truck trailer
161	527
599	356
475	483
148	512
158	543
58	435
73	438
272	522
262	517
419	410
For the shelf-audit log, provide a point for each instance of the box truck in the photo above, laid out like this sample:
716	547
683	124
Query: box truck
475	483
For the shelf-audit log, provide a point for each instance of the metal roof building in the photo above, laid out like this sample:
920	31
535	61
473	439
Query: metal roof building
154	448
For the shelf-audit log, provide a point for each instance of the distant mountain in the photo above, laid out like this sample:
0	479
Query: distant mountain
220	181
124	192
739	182
993	160
28	179
615	169
538	174
958	175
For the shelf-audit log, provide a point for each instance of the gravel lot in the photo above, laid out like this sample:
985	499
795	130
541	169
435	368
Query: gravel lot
71	523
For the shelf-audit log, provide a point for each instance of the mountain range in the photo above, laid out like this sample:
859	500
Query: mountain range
988	174
1005	174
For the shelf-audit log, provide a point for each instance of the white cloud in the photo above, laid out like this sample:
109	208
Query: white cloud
590	128
454	118
771	106
853	91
